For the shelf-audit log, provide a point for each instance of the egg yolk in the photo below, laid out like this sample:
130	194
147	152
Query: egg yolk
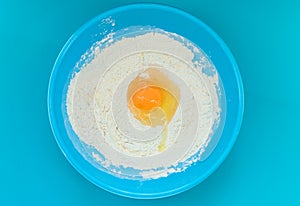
153	100
148	98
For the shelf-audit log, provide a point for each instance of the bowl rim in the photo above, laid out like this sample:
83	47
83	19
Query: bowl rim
231	140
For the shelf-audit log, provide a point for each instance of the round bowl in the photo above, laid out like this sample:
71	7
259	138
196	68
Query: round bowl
172	20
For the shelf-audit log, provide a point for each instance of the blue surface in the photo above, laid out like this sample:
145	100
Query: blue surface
263	168
174	21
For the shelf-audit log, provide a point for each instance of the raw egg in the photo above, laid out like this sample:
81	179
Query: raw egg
153	99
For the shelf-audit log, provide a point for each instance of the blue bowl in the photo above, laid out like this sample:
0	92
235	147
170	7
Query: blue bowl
175	21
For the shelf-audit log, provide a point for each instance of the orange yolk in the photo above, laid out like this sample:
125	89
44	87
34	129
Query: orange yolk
153	98
148	98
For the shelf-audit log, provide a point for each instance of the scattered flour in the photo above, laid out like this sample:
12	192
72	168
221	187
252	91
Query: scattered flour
97	105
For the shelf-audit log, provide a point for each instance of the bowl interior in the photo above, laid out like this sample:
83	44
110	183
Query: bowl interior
171	20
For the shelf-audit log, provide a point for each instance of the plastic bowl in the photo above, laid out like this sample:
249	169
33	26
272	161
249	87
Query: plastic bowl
172	20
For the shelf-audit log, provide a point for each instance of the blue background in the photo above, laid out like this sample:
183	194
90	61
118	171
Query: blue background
262	169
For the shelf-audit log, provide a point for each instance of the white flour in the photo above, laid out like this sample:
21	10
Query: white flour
98	112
